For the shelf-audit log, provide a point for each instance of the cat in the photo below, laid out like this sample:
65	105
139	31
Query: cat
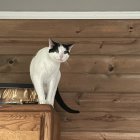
45	73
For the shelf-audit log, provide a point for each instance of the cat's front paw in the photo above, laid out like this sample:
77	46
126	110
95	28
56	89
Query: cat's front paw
42	102
49	103
46	102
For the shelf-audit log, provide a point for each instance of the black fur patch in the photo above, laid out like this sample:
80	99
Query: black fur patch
67	46
56	45
54	48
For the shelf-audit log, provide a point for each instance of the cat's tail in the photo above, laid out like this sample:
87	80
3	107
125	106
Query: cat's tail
62	103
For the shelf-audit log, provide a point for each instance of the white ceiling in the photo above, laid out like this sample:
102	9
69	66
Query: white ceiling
70	5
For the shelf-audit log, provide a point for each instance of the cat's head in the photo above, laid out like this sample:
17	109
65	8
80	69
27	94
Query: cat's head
58	51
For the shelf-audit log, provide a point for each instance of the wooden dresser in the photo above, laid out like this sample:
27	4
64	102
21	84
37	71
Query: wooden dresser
28	122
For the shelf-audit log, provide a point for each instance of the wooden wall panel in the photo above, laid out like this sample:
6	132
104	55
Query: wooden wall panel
86	82
99	136
14	78
103	122
87	64
100	83
104	113
101	78
15	63
108	102
97	64
101	46
69	28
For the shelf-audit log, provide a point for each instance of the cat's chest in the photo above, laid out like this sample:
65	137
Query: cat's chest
50	69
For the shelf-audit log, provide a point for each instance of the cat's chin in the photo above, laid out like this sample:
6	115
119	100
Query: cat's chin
60	61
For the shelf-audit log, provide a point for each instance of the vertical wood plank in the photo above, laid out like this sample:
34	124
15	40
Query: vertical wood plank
48	135
56	126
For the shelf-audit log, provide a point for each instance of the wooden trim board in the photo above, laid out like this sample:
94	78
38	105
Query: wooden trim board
70	15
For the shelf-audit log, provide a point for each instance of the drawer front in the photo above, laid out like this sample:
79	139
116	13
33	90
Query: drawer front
21	125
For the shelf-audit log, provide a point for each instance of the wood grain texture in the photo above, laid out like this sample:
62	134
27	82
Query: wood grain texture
96	64
48	126
85	82
35	122
15	78
20	121
15	63
86	102
101	78
101	46
15	126
106	123
98	122
19	135
114	112
100	83
69	28
56	129
28	108
91	64
99	136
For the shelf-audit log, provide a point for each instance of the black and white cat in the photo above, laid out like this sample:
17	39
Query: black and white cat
45	73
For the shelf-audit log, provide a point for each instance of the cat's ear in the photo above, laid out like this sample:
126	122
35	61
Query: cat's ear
70	46
51	43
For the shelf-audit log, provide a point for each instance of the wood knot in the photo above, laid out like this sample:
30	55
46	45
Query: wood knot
116	100
131	28
101	45
110	68
66	119
11	61
78	30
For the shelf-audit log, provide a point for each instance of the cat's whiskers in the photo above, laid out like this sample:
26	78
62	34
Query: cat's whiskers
67	64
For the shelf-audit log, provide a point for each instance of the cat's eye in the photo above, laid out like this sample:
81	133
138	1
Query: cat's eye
66	52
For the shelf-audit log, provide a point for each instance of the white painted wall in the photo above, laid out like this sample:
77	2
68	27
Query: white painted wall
70	5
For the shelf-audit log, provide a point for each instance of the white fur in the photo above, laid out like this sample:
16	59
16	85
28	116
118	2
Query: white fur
45	73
